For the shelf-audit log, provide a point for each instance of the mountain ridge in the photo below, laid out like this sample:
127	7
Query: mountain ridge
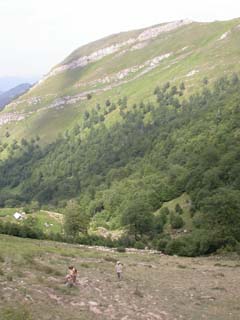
9	95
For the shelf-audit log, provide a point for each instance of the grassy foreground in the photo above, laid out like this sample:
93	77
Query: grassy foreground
153	286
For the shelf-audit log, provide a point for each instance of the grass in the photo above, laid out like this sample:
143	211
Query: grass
184	202
4	212
32	284
46	221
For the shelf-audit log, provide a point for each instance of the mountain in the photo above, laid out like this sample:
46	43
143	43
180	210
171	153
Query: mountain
126	64
9	82
138	134
10	95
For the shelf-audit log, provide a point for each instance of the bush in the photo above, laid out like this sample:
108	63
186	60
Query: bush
126	241
161	244
139	245
199	243
164	211
183	247
121	249
107	103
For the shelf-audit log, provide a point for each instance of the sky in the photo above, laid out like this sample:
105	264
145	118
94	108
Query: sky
38	34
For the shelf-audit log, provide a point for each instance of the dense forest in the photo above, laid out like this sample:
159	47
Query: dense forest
119	176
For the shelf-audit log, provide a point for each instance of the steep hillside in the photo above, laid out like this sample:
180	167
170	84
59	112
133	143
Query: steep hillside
121	176
127	64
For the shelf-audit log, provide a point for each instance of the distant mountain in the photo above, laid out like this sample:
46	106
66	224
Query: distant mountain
9	82
10	95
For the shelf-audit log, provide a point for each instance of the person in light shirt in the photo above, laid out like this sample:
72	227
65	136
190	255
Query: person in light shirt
119	268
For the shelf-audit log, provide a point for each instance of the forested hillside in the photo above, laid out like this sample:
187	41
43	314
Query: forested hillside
121	175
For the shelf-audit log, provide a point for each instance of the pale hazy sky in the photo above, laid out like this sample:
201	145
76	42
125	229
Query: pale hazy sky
37	34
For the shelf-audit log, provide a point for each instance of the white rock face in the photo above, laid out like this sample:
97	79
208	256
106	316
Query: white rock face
149	65
225	35
155	31
137	43
192	73
111	81
10	117
95	56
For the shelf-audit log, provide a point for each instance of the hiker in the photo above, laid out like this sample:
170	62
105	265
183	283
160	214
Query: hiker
71	278
118	268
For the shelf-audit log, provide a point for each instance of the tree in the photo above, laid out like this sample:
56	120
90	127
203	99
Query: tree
89	96
86	115
137	215
205	80
178	209
166	86
156	90
182	86
75	221
234	79
176	221
173	90
107	103
222	212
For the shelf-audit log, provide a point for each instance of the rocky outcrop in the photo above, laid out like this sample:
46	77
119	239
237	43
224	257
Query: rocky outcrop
10	117
225	35
192	73
111	81
97	55
122	74
155	31
131	44
29	102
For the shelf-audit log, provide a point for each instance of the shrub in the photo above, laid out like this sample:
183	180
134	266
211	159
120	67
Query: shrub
139	245
121	249
178	209
89	96
110	259
161	244
164	211
183	247
108	103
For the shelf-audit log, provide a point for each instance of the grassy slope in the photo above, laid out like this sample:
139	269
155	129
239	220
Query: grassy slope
153	287
54	220
183	201
204	53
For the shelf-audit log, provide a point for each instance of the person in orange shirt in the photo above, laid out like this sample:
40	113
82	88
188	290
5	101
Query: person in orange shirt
71	277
